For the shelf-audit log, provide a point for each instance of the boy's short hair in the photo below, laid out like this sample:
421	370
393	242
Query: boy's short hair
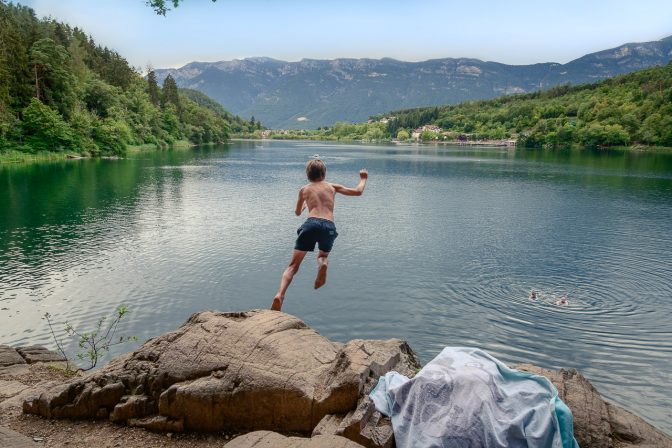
316	170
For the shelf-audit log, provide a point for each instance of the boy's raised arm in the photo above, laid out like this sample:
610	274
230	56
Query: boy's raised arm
358	190
300	203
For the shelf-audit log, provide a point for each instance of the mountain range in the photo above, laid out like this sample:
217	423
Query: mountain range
311	93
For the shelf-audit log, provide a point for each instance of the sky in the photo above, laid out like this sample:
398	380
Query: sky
511	32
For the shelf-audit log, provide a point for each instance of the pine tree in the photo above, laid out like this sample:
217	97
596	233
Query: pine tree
170	94
153	88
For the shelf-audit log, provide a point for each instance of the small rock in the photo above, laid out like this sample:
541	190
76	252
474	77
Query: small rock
158	423
133	406
273	439
37	353
9	356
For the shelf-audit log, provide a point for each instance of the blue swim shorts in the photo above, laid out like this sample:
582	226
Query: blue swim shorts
316	230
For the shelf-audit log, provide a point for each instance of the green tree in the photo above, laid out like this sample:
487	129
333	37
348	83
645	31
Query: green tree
170	94
153	88
403	134
428	136
171	123
112	136
374	132
99	97
83	124
78	55
44	128
161	7
53	82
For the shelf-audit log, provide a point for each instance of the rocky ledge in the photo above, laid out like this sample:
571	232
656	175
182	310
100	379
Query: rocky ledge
264	372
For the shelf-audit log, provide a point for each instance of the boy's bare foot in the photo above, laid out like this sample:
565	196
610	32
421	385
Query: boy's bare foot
321	276
277	303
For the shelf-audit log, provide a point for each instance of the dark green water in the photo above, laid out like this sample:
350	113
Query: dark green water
442	249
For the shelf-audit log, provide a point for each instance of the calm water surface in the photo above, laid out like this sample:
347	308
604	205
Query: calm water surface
442	249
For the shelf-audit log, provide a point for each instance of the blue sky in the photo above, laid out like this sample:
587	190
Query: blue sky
514	32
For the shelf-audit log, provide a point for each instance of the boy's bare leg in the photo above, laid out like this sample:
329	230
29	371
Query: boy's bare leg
287	276
322	264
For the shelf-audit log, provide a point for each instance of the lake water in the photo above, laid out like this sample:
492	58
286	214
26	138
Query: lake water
442	249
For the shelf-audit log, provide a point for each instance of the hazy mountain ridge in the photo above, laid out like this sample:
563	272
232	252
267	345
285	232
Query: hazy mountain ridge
312	92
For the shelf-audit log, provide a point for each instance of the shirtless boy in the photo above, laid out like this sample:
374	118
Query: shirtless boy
318	195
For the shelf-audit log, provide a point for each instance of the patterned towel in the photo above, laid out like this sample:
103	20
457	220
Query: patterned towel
465	398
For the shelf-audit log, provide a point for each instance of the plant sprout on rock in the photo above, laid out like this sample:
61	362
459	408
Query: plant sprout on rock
94	344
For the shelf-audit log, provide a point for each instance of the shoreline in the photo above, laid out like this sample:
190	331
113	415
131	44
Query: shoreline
13	156
484	143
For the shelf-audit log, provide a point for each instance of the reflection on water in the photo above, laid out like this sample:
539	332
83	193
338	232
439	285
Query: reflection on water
442	249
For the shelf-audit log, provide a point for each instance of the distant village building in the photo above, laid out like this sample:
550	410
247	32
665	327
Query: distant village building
417	133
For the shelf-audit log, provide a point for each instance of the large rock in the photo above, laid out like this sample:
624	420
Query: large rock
256	370
597	423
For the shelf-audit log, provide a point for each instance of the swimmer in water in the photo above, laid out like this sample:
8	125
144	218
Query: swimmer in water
533	295
563	301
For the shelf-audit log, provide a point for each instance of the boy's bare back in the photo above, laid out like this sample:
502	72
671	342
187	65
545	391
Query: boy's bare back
319	196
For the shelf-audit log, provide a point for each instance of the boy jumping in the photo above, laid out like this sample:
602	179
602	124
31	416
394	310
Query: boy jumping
319	197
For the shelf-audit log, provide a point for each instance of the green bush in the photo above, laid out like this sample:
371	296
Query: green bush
112	136
45	129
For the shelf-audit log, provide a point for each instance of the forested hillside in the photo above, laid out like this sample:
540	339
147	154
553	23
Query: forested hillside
60	91
628	109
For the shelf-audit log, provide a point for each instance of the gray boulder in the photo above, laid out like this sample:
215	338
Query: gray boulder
256	370
598	423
